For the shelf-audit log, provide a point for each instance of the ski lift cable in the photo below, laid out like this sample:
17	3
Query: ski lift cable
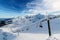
50	18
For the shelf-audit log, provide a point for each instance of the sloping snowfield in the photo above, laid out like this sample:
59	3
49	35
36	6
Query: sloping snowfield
32	36
29	29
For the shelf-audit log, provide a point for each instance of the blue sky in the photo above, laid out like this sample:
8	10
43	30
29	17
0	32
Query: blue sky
12	8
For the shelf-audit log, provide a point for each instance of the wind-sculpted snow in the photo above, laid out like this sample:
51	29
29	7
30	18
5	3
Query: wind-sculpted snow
52	38
6	35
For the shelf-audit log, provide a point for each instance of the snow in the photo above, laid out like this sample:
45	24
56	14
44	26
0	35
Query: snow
52	38
28	28
6	35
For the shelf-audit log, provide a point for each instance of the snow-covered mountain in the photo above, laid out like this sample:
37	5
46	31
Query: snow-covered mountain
29	25
27	22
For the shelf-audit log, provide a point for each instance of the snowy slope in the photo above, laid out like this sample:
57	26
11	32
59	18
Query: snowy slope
6	35
31	24
29	27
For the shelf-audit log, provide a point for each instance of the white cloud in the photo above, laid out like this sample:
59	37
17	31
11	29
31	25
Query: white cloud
40	6
53	5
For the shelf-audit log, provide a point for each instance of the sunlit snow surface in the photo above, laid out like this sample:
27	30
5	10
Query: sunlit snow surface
27	28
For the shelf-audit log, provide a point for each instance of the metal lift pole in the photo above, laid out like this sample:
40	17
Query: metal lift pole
49	29
48	23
